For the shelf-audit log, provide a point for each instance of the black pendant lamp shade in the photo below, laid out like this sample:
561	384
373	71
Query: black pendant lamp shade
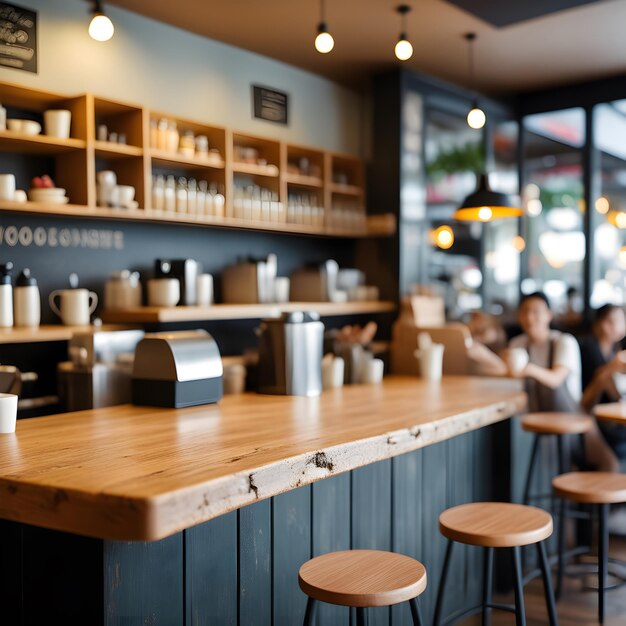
485	205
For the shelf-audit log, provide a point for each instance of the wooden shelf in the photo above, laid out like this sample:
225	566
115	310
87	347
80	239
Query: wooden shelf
304	181
110	150
253	169
181	219
155	315
49	333
171	159
37	144
346	190
77	159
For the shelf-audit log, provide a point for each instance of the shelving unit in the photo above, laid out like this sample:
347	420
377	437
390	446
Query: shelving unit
164	315
291	171
50	332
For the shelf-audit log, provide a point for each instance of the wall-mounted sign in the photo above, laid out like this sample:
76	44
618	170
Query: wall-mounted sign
270	105
18	37
53	237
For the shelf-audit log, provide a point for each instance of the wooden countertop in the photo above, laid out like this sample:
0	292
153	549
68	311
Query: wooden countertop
137	473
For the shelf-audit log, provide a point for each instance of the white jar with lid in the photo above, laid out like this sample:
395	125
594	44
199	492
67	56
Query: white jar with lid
6	295
27	304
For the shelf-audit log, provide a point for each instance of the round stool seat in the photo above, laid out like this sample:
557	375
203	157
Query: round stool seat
362	578
557	423
591	487
495	524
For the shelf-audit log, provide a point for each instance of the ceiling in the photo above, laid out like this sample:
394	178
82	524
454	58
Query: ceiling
580	43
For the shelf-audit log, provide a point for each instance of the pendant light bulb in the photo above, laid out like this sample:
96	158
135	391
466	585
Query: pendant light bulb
324	41
476	118
101	27
403	49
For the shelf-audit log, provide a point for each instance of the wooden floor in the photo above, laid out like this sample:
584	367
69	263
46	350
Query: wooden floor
576	607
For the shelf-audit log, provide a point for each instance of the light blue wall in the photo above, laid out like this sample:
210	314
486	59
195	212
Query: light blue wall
172	70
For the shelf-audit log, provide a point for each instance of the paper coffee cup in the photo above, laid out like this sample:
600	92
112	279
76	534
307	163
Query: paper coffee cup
516	359
431	361
8	412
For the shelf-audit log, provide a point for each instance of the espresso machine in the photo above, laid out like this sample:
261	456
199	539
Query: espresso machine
99	372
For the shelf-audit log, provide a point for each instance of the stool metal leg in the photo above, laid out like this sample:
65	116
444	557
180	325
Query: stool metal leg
603	559
361	616
531	467
547	583
416	614
561	548
309	616
561	453
442	583
520	614
487	584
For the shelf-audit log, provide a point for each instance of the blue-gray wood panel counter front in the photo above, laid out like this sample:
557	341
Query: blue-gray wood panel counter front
136	516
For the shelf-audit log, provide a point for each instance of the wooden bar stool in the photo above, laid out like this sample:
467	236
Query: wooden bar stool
360	579
559	425
497	525
597	488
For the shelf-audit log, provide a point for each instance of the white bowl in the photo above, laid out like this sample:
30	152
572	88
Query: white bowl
14	125
47	192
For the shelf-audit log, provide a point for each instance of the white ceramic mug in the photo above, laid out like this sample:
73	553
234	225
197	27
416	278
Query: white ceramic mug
8	412
57	123
204	290
7	187
125	195
516	359
75	305
163	291
431	361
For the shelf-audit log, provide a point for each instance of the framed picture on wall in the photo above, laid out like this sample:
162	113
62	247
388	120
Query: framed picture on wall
270	105
18	37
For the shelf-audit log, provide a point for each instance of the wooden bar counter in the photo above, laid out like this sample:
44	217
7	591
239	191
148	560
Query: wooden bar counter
203	515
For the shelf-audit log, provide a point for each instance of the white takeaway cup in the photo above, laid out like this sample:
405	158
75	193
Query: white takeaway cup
281	289
57	123
516	359
204	290
8	412
7	186
431	361
373	371
75	305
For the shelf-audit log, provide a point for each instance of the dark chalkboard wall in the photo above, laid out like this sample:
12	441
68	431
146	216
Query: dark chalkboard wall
54	247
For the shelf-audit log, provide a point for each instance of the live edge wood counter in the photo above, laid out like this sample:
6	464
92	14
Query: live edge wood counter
136	473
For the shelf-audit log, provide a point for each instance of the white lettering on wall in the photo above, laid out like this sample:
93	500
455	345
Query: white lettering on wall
91	238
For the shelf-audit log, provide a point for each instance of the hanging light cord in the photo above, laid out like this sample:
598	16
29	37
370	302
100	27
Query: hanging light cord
403	10
471	37
322	12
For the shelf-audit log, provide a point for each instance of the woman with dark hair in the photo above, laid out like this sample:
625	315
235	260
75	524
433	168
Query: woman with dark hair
603	362
553	373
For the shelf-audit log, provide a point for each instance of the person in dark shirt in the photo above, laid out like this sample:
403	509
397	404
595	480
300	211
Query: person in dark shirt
602	361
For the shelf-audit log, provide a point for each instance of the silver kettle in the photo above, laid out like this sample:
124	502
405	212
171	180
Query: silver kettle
290	354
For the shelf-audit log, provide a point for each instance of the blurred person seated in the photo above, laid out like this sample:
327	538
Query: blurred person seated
552	375
487	330
604	370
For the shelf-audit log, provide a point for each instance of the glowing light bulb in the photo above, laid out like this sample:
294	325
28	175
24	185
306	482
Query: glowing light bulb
602	205
404	49
620	220
485	214
324	41
444	237
101	27
518	243
476	118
